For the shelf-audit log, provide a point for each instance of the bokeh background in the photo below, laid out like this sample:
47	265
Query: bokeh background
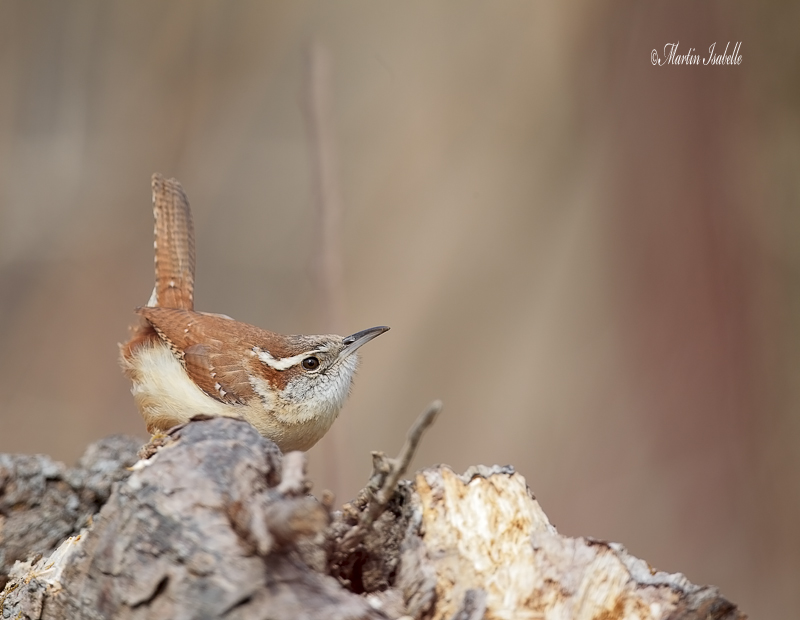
592	261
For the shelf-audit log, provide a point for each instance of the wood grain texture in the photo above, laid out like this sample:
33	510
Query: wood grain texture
189	536
43	501
205	529
485	532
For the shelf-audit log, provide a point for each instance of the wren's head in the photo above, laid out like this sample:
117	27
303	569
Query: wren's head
184	363
311	378
290	388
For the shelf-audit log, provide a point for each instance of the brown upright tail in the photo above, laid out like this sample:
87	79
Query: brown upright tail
174	246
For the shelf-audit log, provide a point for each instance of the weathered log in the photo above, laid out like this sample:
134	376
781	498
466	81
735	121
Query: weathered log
42	502
216	524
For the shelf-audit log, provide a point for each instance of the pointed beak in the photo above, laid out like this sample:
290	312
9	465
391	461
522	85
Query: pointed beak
357	340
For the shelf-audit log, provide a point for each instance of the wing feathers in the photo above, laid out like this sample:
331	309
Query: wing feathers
197	339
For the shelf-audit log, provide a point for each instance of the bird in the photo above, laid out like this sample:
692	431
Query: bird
183	363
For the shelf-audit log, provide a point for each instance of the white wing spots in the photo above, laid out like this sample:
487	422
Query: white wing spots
219	389
172	284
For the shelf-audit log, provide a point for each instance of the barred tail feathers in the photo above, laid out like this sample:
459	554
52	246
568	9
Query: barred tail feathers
174	246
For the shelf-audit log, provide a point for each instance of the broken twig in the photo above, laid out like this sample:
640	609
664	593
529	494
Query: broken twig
385	474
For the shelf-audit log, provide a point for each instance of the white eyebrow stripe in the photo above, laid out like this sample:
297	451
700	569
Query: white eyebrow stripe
282	363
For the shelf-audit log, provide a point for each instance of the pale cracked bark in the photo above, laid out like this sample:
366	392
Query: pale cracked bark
485	532
211	527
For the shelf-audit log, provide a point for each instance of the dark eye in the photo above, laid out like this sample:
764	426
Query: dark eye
311	363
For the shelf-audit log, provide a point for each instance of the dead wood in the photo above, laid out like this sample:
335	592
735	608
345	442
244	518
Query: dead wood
42	502
217	524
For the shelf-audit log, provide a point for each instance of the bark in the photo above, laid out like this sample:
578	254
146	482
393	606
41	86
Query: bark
216	523
42	502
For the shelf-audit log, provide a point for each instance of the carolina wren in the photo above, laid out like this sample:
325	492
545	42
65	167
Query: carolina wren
183	363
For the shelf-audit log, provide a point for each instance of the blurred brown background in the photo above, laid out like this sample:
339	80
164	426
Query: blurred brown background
593	261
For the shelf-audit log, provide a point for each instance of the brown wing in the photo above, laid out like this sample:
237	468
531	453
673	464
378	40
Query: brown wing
174	245
212	352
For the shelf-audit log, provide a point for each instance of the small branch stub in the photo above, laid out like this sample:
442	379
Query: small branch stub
386	473
217	524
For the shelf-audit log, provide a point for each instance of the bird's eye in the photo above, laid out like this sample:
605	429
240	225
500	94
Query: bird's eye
311	363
